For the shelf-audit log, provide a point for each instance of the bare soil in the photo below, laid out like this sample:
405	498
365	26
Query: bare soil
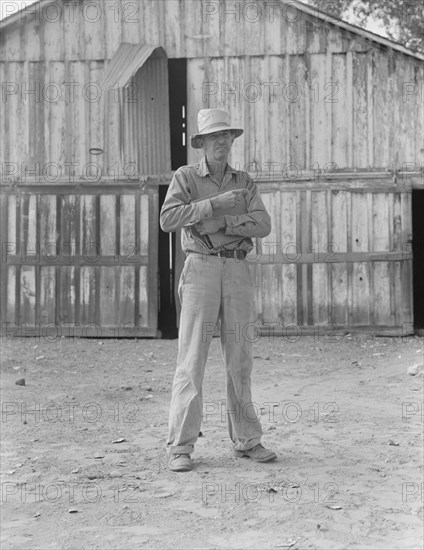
84	463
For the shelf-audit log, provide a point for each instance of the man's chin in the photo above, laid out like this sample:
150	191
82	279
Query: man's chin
221	155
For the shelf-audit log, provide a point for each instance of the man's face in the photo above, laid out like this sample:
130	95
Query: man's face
217	145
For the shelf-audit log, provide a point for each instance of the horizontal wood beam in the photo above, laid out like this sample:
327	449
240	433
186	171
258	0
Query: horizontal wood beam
302	179
89	330
330	332
330	258
69	260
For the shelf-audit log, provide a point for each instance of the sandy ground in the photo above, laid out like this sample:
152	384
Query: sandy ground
84	467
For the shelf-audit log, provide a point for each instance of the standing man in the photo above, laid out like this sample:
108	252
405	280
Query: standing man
220	210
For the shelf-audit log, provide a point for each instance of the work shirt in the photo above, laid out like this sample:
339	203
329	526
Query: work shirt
186	204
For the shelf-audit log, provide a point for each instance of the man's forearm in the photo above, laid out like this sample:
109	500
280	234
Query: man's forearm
182	215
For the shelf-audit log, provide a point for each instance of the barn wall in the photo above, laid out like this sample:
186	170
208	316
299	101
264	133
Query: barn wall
355	118
309	95
306	92
344	108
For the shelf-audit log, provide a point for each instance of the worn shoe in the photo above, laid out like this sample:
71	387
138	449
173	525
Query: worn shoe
180	463
257	453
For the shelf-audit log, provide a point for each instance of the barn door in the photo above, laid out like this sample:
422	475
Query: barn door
82	259
337	258
79	263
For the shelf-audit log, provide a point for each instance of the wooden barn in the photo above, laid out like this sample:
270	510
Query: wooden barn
98	101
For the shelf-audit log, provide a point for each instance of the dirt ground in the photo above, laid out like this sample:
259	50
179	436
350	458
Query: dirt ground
84	466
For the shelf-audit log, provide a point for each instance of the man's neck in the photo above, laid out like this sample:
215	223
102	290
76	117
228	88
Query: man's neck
217	169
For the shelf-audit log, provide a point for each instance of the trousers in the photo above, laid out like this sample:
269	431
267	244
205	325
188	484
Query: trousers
212	290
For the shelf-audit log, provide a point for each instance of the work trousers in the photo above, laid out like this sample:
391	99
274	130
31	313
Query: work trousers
213	289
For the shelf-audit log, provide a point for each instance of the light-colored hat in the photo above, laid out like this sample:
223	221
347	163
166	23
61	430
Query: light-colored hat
210	121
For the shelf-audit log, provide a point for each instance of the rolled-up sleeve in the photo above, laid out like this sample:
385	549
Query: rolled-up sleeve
178	209
256	223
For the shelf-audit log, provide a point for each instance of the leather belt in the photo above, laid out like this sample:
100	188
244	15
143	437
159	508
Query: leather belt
236	254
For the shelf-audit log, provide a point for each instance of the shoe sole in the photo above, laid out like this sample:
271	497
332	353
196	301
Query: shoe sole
241	454
184	469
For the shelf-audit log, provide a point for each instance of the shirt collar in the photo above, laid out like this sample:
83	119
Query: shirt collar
203	170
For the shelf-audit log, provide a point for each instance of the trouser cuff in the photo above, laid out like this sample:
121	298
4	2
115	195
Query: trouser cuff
180	449
248	445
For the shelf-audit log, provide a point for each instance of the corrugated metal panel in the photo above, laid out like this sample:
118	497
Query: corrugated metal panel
125	63
140	76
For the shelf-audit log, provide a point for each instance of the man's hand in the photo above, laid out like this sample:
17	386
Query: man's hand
228	199
210	225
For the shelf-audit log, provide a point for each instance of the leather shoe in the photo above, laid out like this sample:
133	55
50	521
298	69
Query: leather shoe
180	463
257	453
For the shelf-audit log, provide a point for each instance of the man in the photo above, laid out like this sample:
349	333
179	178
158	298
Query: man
220	210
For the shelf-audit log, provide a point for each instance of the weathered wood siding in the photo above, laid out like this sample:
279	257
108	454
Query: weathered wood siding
305	111
306	92
338	256
310	96
79	261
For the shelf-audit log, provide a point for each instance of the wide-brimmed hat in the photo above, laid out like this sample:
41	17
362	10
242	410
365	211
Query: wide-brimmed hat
210	121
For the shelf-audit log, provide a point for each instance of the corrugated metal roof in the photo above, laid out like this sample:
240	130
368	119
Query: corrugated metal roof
125	63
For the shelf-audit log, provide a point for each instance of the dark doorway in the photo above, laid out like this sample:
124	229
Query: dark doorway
167	323
418	253
169	251
177	71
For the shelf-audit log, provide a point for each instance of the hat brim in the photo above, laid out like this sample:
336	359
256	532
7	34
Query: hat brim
196	137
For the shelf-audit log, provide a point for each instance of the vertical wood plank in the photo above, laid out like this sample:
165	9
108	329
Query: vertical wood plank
56	120
319	236
93	23
339	108
47	222
370	110
89	239
197	74
87	295
69	226
35	120
128	239
143	297
73	31
48	303
144	224
16	121
360	106
127	295
54	44
28	295
9	221
107	225
339	270
297	107
113	27
381	111
107	296
173	29
10	281
288	314
67	297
